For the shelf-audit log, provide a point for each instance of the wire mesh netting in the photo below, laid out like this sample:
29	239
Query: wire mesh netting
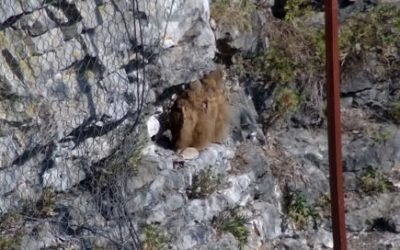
73	88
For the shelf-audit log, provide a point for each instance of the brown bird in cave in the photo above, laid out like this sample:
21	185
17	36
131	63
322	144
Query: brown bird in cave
200	115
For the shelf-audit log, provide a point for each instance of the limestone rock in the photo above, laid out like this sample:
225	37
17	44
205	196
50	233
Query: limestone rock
190	153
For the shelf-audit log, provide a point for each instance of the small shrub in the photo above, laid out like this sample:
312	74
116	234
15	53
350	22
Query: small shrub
324	205
97	247
155	238
295	55
395	112
127	165
240	65
205	183
136	157
297	8
376	31
381	137
9	243
233	13
373	181
278	66
324	200
295	63
11	231
299	210
46	205
9	220
89	75
286	101
373	28
231	221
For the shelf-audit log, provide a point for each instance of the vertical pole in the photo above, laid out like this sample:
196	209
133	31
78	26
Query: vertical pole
334	126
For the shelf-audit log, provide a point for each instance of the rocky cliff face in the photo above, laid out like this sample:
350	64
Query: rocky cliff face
82	84
76	76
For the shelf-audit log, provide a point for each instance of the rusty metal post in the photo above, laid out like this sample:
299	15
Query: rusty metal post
334	125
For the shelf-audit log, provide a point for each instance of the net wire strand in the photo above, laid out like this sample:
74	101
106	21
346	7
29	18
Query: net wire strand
61	83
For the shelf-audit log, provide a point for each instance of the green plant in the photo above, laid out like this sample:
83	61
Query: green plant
295	55
46	204
286	100
9	220
240	65
10	243
376	31
88	75
295	58
372	28
117	167
395	112
232	221
205	183
137	155
323	205
324	200
155	238
381	136
294	62
233	13
317	41
297	8
373	181
280	67
97	247
11	231
3	39
298	209
26	69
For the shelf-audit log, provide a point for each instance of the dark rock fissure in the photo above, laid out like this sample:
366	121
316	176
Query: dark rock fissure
13	63
88	64
28	154
70	11
90	130
225	51
10	21
48	161
383	225
354	93
134	65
